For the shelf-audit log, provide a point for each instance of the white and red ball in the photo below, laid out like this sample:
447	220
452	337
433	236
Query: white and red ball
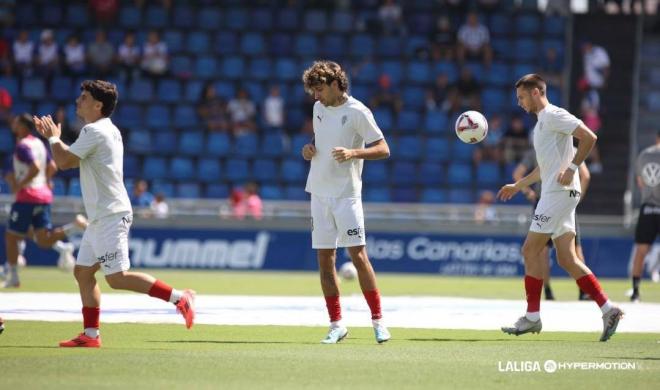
471	127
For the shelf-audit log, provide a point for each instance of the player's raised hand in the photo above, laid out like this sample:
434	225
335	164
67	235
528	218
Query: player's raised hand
46	127
565	178
341	154
507	192
308	151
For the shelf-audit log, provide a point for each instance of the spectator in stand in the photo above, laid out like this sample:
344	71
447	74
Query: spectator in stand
490	149
516	140
465	93
212	110
154	56
273	113
105	11
386	96
591	119
48	58
443	39
474	41
141	197
484	211
551	68
70	129
391	18
75	61
247	203
242	112
159	208
128	57
437	96
6	103
101	55
23	54
596	63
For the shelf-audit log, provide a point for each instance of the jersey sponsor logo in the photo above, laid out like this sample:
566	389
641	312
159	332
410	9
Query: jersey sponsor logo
542	218
355	232
107	257
651	174
574	194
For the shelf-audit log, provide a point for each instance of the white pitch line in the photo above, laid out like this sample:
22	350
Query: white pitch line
399	311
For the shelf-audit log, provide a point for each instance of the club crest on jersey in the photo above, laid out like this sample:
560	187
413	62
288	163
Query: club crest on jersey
343	120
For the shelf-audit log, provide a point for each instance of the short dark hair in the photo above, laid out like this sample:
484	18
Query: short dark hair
325	72
530	81
26	120
103	91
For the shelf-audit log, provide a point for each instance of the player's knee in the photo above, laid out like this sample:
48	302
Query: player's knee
567	261
115	281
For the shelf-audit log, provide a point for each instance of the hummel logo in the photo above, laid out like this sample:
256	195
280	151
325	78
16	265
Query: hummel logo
319	118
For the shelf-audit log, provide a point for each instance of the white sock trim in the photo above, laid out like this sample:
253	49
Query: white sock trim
533	316
335	324
175	296
92	332
607	306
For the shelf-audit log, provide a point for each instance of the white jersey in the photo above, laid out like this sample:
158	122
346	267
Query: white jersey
101	153
553	142
351	125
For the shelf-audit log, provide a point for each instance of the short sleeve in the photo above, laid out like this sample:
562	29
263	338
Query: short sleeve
24	154
563	121
86	142
367	126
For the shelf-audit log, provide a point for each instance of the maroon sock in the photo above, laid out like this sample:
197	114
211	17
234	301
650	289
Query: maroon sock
589	284
91	317
160	290
373	300
334	308
533	289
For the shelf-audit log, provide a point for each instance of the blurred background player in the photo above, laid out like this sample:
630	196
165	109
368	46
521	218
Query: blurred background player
32	169
342	127
99	152
554	216
526	165
648	223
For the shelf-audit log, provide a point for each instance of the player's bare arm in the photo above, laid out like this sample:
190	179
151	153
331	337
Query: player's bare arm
31	173
376	151
61	154
585	178
308	151
586	141
508	191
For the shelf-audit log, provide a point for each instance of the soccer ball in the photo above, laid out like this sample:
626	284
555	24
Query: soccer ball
347	271
471	127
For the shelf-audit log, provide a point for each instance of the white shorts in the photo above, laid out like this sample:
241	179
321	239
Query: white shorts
555	213
337	222
105	241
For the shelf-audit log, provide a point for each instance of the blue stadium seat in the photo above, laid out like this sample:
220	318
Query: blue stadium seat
59	186
293	171
520	70
556	44
489	174
500	24
414	43
436	122
525	49
498	75
295	192
225	89
253	44
61	88
129	115
158	116
342	21
218	144
237	19
260	69
181	168
154	168
384	119
131	166
394	69
76	16
156	16
419	72
448	68
216	191
181	66
209	18
280	45
432	173
286	69
361	45
34	89
404	173
476	69
226	43
375	172
377	194
164	142
198	42
74	187
436	149
51	15
140	141
306	45
10	84
414	98
261	20
502	48
495	99
295	118
527	24
184	17
461	196
389	46
434	195
265	170
169	91
237	170
271	192
191	143
193	91
367	73
297	143
462	152
185	116
554	26
421	23
408	121
206	67
332	46
288	19
315	21
459	174
233	67
405	194
164	187
209	170
272	145
246	145
141	91
6	140
46	108
407	148
188	190
130	17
